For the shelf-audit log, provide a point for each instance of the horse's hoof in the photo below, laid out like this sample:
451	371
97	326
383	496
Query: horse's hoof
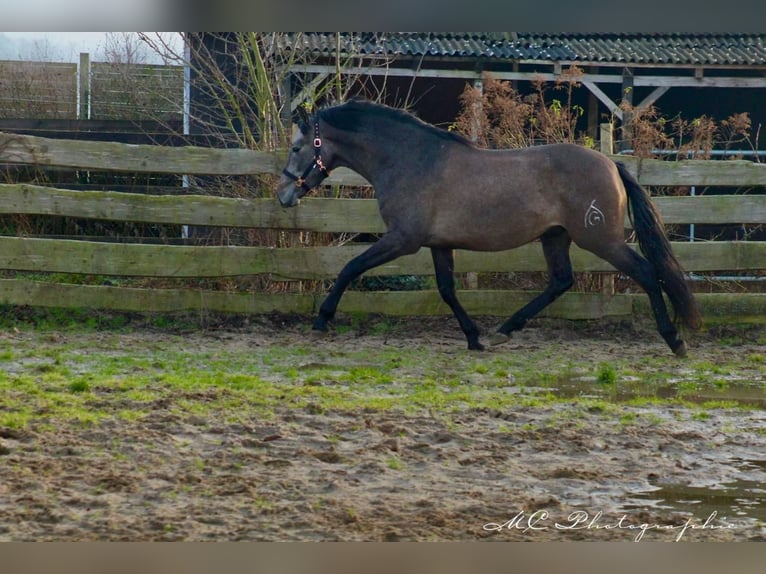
680	349
317	334
498	338
319	326
476	346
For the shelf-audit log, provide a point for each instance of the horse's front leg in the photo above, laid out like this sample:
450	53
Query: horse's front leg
444	266
387	248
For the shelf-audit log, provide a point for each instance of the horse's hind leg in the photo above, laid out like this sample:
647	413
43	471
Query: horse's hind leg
641	271
555	242
444	266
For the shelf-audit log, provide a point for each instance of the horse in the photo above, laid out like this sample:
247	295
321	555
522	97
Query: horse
436	189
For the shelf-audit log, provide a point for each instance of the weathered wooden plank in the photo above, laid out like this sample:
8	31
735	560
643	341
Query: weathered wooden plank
314	214
329	215
95	258
718	307
713	209
721	255
141	260
67	256
741	173
44	294
401	303
112	156
573	305
697	256
344	176
715	307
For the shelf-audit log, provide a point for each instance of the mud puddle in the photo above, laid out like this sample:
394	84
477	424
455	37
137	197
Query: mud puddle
742	499
742	393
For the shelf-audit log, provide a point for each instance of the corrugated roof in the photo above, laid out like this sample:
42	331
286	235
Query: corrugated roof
648	49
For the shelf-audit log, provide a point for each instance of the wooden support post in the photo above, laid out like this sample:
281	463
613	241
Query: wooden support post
84	87
515	69
593	110
286	112
627	99
627	115
607	147
607	138
472	278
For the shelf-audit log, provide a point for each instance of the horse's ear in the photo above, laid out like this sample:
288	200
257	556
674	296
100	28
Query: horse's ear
302	118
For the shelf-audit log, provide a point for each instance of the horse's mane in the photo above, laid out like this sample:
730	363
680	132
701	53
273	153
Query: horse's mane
346	116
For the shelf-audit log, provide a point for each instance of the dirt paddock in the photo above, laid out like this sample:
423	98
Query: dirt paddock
584	455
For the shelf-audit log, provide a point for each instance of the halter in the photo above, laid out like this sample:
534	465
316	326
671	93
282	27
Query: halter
317	163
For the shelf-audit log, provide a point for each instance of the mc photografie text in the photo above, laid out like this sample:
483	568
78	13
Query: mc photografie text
541	520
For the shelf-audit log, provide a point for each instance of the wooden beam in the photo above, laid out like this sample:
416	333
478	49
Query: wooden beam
307	90
704	82
639	80
653	97
606	100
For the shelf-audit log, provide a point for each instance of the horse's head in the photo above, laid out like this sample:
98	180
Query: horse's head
306	166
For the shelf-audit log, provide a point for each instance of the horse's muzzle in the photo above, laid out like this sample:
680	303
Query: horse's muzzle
288	195
292	202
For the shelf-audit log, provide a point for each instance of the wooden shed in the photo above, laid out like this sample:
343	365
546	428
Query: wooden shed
692	74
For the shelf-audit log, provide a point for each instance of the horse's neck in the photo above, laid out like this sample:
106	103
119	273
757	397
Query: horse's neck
364	154
383	157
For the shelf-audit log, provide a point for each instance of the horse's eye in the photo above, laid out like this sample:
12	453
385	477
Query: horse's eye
296	149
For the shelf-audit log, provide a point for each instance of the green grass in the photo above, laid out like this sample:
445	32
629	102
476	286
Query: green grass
82	374
607	374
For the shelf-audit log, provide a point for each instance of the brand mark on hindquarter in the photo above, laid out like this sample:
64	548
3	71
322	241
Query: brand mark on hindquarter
594	216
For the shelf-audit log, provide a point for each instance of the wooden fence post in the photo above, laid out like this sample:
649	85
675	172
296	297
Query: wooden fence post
83	91
607	138
607	147
471	277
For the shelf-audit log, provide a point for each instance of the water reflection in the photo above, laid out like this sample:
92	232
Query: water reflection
739	392
735	500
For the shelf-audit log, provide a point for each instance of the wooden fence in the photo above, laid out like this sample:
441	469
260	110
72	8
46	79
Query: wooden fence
38	90
91	90
43	255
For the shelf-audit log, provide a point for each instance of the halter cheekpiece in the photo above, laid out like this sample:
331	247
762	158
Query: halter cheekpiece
316	164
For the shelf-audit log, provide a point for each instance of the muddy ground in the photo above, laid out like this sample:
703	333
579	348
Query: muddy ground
558	470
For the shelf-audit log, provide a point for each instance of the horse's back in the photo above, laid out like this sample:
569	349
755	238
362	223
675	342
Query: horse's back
499	199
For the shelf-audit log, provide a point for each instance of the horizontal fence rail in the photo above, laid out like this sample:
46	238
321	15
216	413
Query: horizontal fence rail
314	263
314	214
106	156
87	257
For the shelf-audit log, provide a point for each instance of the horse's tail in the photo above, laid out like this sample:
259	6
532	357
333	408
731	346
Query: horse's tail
656	248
